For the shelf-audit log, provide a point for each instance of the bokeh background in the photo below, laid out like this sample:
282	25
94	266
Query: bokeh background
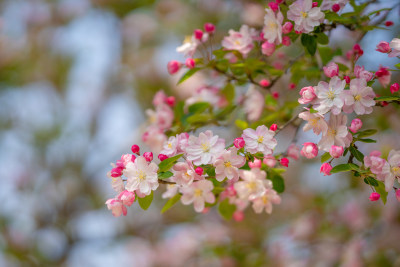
75	79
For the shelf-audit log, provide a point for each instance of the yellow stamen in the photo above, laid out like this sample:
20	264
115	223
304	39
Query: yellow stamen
251	186
198	192
260	139
396	171
331	94
304	14
331	132
141	175
237	42
228	164
357	97
169	145
314	121
265	199
205	147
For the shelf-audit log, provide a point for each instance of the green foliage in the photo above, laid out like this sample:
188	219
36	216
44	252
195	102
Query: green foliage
366	133
381	190
277	181
226	209
171	202
309	42
188	74
345	168
388	98
241	124
357	154
165	175
326	156
198	107
167	164
145	202
371	181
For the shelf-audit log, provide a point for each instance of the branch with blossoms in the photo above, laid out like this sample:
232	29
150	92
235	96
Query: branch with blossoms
244	87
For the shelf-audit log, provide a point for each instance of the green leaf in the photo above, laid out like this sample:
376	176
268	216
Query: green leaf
312	110
397	65
146	201
241	124
371	181
229	92
226	209
178	110
167	164
171	202
198	107
322	38
218	190
367	140
326	156
188	74
342	67
344	168
381	190
270	101
277	181
309	42
388	98
199	118
164	175
221	114
357	154
367	133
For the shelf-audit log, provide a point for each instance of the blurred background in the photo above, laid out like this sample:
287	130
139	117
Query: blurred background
75	79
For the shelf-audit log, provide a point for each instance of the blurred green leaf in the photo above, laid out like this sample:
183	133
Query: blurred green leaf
145	202
171	202
226	209
167	164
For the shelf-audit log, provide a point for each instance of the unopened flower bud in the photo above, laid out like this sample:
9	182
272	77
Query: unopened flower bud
383	47
199	170
148	156
170	101
264	83
190	63
135	149
335	8
310	150
356	125
209	27
273	127
162	157
284	162
394	88
336	151
239	142
116	172
287	27
326	169
173	66
198	34
374	196
255	164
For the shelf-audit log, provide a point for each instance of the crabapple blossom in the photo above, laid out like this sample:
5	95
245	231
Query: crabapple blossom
336	134
239	142
268	48
205	148
265	201
315	121
394	88
287	27
127	198
228	164
305	16
198	34
141	176
240	41
116	172
360	98
347	79
170	101
173	66
374	196
256	163
274	6
336	151
293	152
116	207
148	156
331	70
383	75
172	190
182	143
154	138
330	95
310	150
184	174
162	117
135	149
199	170
326	169
328	4
252	184
361	73
209	27
307	95
190	44
356	125
395	46
273	26
270	161
259	140
253	104
190	63
162	157
375	163
273	127
170	147
284	162
383	47
392	169
198	193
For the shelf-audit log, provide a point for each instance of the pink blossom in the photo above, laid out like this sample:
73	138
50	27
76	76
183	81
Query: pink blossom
360	98
265	201
141	176
239	142
284	162
154	138
374	196
336	134
305	16
360	72
395	46
253	104
326	169
228	164
332	69
199	171
173	66
270	161
274	6
259	140
336	151
238	216
172	190
375	162
329	4
347	79
116	172
184	174
383	47
273	26
159	98
286	40
315	121
398	194
170	147
330	95
148	156
162	117
116	207
204	149
267	48
198	193
293	152
383	75
287	27
252	185
307	95
394	88
256	163
310	150
209	27
126	197
392	169
240	41
182	142
135	149
198	34
356	125
190	63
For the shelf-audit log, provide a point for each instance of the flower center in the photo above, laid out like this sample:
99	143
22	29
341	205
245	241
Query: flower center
187	175
314	121
264	199
169	145
396	171
205	147
237	42
251	186
304	14
272	25
357	97
198	192
260	139
228	164
141	175
332	132
331	94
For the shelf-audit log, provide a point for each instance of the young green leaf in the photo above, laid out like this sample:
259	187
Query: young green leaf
167	164
188	74
344	168
371	181
277	181
226	209
145	202
357	154
326	156
309	42
198	107
381	190
171	202
367	133
388	98
164	175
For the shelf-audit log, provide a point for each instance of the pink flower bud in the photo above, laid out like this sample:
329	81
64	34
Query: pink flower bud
374	196
264	83
326	169
274	6
270	161
199	170
331	70
170	101
292	86
286	40
173	66
389	23
116	172
126	197
239	142
394	88
287	27
209	27
398	194
148	156
267	48
275	95
310	150
356	125
314	4
135	149
162	157
238	216
284	162
190	63
335	8
133	158
273	127
383	47
336	151
198	34
347	78
293	152
307	95
357	50
255	164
